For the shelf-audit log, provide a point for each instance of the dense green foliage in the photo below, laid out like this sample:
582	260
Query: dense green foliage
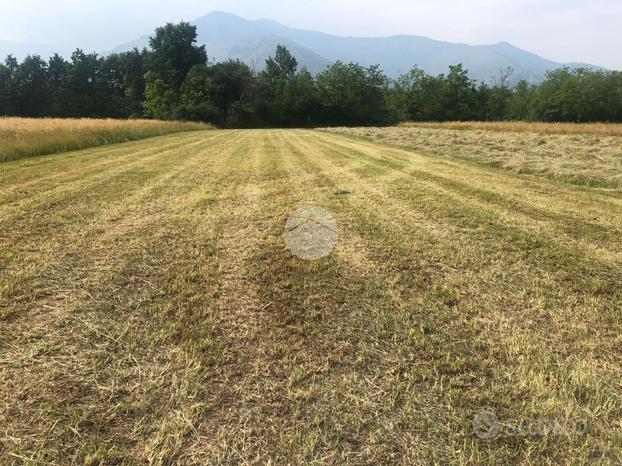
174	80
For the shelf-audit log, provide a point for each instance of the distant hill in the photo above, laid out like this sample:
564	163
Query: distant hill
230	36
21	49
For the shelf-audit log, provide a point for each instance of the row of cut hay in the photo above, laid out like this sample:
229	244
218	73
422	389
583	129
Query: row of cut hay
602	129
579	159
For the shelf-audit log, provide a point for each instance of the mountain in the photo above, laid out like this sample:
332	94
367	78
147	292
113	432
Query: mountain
20	49
230	36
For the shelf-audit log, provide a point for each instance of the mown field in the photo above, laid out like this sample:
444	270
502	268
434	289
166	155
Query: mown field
151	313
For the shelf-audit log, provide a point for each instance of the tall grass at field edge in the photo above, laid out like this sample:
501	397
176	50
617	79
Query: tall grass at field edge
23	137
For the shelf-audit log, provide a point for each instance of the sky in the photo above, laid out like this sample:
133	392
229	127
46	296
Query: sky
588	31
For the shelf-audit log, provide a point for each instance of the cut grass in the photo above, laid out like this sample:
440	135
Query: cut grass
150	311
26	137
580	158
598	129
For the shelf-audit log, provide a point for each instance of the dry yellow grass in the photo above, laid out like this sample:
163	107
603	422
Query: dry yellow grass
26	137
601	129
582	159
150	311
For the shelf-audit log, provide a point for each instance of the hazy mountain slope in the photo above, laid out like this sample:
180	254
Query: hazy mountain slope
230	36
256	51
20	49
397	54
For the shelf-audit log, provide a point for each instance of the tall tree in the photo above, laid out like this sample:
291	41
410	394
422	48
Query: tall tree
8	104
459	96
197	95
352	94
58	71
31	87
280	70
173	54
82	77
234	93
134	69
283	66
493	106
520	102
301	103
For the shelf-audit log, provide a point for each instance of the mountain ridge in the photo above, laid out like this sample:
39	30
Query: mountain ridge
252	41
21	49
395	54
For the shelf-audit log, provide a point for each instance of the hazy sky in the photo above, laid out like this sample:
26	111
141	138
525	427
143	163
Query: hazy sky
561	30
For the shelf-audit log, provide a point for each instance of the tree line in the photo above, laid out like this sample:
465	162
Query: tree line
175	80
